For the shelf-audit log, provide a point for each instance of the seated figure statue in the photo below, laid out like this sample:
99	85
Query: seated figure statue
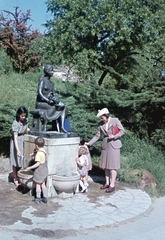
48	106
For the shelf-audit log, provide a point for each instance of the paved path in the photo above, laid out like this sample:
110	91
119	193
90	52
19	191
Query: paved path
66	217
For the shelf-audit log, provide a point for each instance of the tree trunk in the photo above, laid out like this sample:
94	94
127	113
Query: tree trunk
102	77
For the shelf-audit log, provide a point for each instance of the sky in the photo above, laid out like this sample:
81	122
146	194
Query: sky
38	10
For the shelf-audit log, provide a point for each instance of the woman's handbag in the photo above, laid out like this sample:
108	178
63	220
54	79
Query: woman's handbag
115	130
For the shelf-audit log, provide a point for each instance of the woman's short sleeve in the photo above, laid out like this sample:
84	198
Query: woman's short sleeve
15	127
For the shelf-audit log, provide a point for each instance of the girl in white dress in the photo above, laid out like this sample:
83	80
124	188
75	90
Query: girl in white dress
89	167
82	163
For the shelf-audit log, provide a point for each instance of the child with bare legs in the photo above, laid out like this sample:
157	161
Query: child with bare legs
82	162
89	166
41	171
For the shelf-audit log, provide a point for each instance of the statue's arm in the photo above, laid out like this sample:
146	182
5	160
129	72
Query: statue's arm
54	97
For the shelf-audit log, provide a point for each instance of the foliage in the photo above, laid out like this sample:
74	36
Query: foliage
5	63
16	37
16	90
106	35
7	114
42	47
141	105
138	155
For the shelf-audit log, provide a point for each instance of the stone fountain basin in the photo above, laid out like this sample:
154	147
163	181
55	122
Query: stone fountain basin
66	182
26	179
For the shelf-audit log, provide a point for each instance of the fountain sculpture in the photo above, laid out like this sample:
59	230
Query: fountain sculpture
61	146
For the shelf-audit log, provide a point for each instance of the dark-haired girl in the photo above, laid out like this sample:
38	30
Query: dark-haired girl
19	127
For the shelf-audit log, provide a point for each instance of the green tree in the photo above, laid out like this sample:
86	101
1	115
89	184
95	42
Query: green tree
106	34
42	47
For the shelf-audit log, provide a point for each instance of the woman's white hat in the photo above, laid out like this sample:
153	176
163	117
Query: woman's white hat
102	111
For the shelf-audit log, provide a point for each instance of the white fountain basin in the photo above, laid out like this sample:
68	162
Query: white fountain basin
26	179
66	182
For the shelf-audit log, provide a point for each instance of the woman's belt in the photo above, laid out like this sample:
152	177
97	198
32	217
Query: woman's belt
20	134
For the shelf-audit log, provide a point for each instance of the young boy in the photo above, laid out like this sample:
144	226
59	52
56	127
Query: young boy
41	171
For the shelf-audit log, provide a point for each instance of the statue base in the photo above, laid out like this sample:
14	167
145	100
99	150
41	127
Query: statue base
53	134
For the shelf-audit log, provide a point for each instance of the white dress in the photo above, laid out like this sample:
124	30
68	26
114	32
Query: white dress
83	169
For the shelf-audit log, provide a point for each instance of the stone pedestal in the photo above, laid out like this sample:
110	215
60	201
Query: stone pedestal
61	154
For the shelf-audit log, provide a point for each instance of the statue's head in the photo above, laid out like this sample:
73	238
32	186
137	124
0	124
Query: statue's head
48	70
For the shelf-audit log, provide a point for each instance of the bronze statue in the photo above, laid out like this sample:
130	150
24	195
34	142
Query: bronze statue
48	106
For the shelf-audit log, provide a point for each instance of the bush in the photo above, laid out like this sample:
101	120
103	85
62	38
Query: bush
16	90
5	63
138	155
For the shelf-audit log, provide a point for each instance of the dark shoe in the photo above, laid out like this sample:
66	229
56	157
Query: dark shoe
44	200
84	190
110	189
37	200
104	186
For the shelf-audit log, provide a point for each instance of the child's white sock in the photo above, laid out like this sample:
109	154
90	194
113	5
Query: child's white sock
45	192
82	186
38	193
77	189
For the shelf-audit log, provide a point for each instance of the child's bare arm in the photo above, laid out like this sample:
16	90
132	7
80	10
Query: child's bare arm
78	162
32	167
